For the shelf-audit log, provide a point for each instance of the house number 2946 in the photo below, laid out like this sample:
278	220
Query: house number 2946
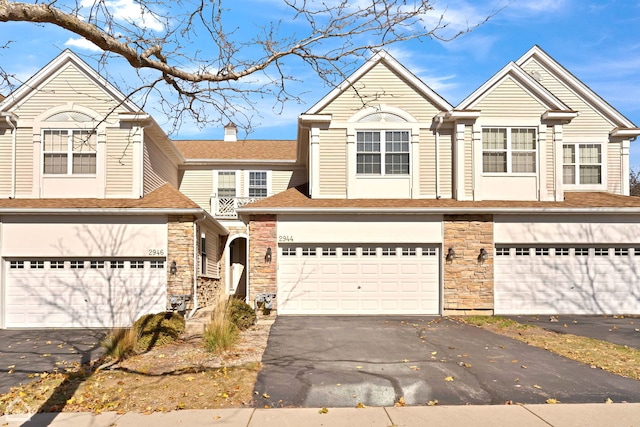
282	238
155	252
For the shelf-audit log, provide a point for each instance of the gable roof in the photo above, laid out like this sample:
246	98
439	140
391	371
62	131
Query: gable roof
297	200
582	90
216	151
66	57
522	78
392	63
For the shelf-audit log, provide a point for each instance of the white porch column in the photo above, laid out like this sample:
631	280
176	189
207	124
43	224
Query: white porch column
557	161
351	160
458	153
624	166
415	164
477	161
314	162
542	163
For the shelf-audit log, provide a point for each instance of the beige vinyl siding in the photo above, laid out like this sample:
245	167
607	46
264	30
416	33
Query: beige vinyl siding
283	179
614	173
510	101
24	163
119	174
427	150
197	184
446	162
158	169
67	86
588	124
211	242
468	161
380	86
333	162
5	165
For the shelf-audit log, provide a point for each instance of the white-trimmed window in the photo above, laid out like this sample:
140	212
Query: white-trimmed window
69	152
509	150
258	184
382	152
582	164
226	184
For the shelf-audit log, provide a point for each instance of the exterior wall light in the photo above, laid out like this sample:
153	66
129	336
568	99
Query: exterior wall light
482	256
173	270
451	254
267	256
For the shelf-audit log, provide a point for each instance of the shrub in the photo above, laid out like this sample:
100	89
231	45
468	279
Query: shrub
241	314
158	329
120	343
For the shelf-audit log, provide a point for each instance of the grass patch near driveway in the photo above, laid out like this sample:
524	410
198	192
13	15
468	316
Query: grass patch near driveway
614	358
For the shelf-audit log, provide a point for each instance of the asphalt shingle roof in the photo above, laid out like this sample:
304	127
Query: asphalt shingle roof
267	150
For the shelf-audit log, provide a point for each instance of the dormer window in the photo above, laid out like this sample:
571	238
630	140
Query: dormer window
69	152
382	152
509	150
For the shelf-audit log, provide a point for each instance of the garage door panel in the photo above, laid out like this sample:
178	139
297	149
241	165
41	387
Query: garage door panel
577	280
373	280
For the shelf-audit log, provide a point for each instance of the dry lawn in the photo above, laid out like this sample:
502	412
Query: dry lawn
614	358
180	375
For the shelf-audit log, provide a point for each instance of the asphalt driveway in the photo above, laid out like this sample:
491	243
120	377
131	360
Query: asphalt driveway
375	361
25	352
622	330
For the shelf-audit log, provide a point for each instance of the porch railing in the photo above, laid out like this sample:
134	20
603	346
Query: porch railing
225	207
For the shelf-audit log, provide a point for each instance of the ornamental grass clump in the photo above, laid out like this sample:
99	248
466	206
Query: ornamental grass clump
221	333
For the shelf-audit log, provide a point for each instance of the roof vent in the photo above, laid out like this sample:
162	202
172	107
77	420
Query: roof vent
231	132
536	76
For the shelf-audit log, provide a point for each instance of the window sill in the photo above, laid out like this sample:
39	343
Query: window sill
506	174
64	175
586	187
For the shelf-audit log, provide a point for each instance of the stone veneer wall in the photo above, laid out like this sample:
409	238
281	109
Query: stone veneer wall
180	250
468	284
262	274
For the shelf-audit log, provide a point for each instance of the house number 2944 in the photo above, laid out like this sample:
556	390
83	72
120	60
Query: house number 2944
282	238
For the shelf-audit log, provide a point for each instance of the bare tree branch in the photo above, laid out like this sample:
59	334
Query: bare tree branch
217	84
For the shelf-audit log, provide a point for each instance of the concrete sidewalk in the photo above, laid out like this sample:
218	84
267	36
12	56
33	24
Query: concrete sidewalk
560	415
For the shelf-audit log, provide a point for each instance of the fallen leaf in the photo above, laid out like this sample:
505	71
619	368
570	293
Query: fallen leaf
323	411
266	396
360	405
433	353
400	402
405	360
358	367
415	368
552	401
536	386
449	378
608	400
433	402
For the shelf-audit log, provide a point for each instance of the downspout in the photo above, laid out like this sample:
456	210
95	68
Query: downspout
195	266
13	156
440	121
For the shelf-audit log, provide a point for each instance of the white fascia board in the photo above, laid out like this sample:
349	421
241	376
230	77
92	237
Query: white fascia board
315	118
559	115
48	70
366	67
445	211
575	84
458	114
523	78
630	133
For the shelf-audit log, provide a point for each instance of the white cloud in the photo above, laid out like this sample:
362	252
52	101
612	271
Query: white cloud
82	43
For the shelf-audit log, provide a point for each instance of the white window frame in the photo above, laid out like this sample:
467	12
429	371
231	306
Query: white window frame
510	151
577	184
384	152
69	152
217	183
247	183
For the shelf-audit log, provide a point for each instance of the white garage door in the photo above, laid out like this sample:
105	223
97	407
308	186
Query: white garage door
567	280
82	293
358	279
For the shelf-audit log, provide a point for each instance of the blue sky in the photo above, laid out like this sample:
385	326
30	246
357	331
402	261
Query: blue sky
597	41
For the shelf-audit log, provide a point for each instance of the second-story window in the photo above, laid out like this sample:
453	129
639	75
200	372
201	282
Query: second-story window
226	184
382	153
509	150
582	164
257	184
69	152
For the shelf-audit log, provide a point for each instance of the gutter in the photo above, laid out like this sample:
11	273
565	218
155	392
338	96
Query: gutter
439	211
